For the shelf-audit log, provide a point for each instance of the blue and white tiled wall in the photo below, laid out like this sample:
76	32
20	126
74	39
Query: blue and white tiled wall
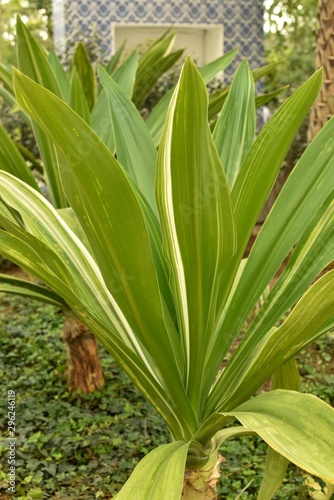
242	20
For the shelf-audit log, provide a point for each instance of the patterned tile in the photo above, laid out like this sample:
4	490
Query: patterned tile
242	20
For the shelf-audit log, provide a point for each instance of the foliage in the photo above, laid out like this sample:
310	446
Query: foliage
37	14
77	85
290	36
75	446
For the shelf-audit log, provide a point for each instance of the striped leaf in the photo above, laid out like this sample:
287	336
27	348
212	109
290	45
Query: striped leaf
196	217
17	286
160	474
57	257
248	369
303	195
155	60
249	193
109	211
235	129
282	419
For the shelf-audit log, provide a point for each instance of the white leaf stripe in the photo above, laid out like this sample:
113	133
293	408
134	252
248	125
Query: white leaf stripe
174	246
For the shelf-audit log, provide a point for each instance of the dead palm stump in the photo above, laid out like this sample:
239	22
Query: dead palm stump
84	371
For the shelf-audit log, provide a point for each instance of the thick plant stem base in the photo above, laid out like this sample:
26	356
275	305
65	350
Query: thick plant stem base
84	371
201	484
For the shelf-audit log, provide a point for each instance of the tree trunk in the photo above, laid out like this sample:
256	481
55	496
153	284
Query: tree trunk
201	484
323	109
83	364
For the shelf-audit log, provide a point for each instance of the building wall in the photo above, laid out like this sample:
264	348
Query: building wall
242	21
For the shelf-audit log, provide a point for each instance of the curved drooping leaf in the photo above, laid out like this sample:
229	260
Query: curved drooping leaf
196	216
78	281
17	286
109	212
160	474
282	419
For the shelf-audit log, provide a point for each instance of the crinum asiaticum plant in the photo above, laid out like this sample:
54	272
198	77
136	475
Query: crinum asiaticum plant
154	266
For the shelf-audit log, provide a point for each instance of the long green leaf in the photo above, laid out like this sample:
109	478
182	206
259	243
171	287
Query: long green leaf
82	277
86	74
160	474
302	196
235	129
266	155
218	98
134	147
77	99
155	121
6	77
61	75
295	425
313	253
196	217
101	119
249	193
109	212
17	286
286	377
11	160
249	368
33	61
155	60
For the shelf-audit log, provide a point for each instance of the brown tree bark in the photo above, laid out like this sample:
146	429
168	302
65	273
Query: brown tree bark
201	484
323	109
83	364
